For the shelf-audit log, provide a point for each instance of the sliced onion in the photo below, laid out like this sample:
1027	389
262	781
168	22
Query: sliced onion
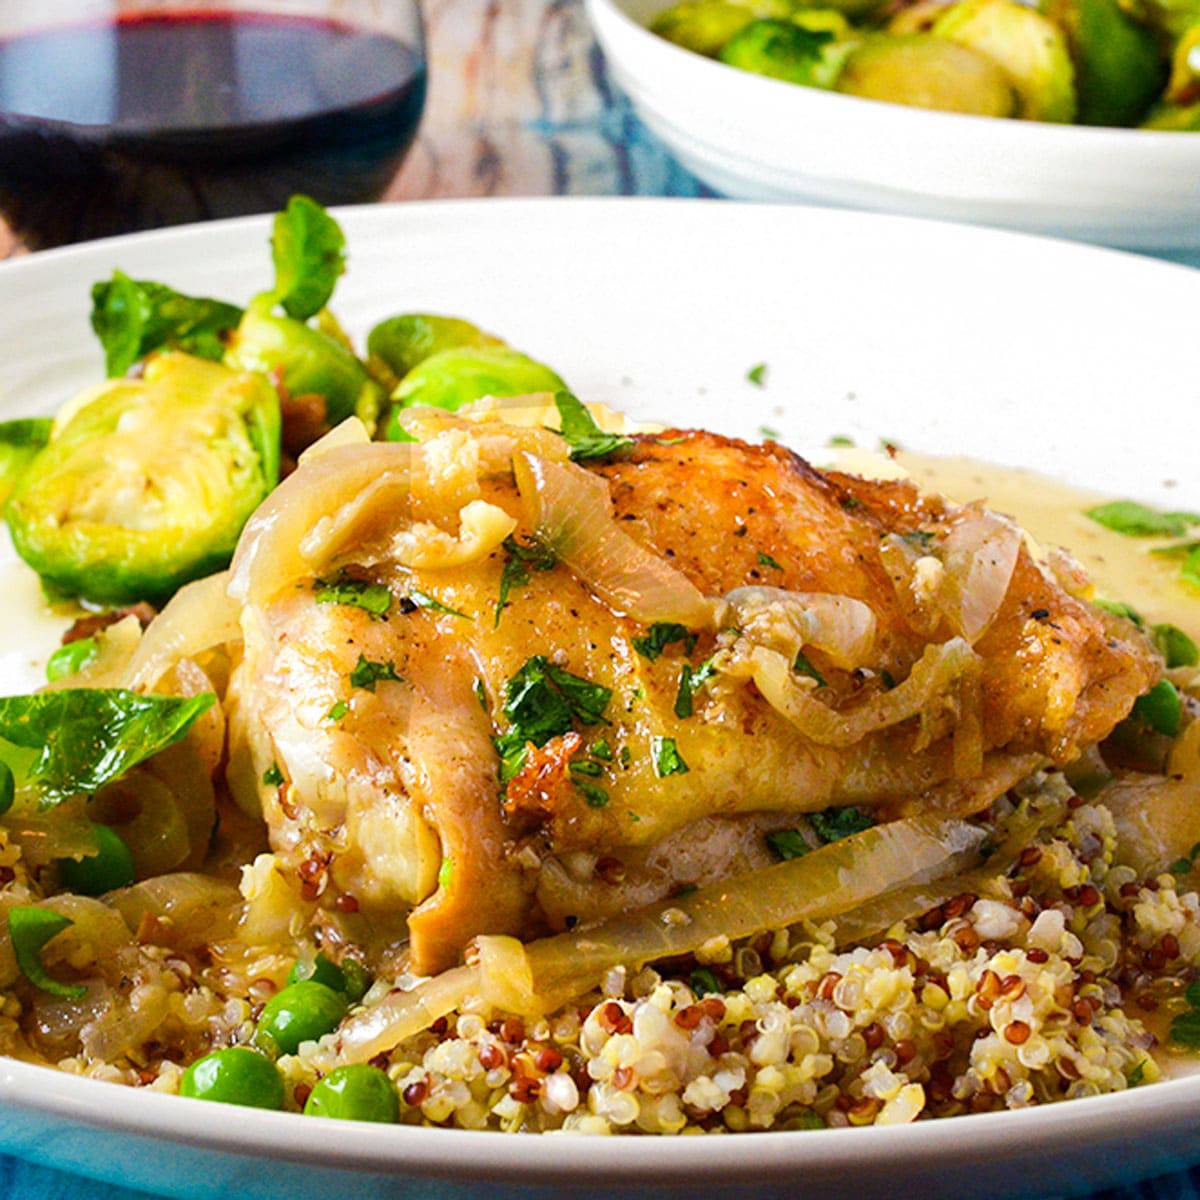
62	832
200	909
572	512
840	626
96	932
932	679
199	617
157	834
121	1027
979	555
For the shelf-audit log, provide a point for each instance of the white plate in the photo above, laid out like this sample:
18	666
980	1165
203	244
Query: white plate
1077	361
755	138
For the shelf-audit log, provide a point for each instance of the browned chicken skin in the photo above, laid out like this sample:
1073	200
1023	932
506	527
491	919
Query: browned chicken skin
1054	675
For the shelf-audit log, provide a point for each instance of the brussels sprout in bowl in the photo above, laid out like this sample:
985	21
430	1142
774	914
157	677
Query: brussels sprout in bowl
777	100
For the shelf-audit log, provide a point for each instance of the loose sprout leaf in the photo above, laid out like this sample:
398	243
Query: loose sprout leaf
32	432
803	667
520	560
29	929
367	674
1119	608
87	737
582	434
1132	519
691	680
661	635
373	597
1175	646
833	824
757	374
765	560
423	600
132	317
788	844
308	249
1160	708
667	759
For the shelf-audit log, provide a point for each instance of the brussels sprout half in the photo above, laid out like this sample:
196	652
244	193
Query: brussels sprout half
1119	71
402	342
147	482
20	441
928	72
789	51
1031	49
705	26
307	362
452	378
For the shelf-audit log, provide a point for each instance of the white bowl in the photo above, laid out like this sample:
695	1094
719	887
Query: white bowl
868	325
755	138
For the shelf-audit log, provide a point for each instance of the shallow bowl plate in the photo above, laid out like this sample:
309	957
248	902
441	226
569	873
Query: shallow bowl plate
1075	361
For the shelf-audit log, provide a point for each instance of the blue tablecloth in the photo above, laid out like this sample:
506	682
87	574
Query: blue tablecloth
650	171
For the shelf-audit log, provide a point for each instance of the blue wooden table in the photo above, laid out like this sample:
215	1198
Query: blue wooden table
519	105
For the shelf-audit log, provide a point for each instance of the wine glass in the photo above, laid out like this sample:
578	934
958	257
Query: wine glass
118	115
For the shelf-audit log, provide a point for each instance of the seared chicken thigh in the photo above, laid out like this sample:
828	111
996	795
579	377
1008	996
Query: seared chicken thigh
824	641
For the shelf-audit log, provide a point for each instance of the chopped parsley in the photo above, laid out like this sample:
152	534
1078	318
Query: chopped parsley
1190	571
757	374
1131	519
520	560
359	593
422	600
338	711
1183	866
803	667
667	759
703	982
833	824
588	767
663	634
768	434
788	844
367	674
1137	1075
594	797
481	695
601	749
1185	1029
765	560
1175	646
691	680
542	701
918	539
272	776
840	439
582	434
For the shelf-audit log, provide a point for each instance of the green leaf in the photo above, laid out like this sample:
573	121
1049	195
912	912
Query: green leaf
1132	519
1160	708
359	593
691	680
765	560
133	317
703	982
338	711
833	824
87	737
308	249
423	600
661	635
788	844
757	374
1175	646
367	674
594	797
1137	1075
803	667
520	559
1185	1029
30	929
582	434
601	749
667	759
480	689
71	658
273	776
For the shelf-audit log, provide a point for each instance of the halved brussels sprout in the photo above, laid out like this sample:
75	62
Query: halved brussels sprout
706	25
787	51
20	440
928	72
1184	86
1174	118
307	361
146	483
401	343
452	378
1031	49
1118	67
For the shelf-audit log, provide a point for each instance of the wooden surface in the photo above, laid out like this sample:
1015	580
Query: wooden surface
520	105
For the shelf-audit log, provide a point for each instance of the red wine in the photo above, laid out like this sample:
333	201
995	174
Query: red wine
158	119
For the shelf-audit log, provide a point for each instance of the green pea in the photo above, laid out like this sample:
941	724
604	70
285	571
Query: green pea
105	871
236	1075
358	979
71	658
1160	708
302	1012
355	1093
319	970
8	787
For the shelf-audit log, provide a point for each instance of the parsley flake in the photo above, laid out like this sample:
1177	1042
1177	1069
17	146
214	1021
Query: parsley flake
367	674
840	439
703	982
833	824
765	560
768	433
272	776
663	634
422	600
803	667
520	560
594	797
582	434
359	593
667	759
691	680
788	844
338	711
757	375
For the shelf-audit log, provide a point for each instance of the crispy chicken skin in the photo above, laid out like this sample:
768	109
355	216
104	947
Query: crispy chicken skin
400	801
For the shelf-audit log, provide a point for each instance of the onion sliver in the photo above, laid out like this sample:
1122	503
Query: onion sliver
937	671
198	907
571	511
979	555
841	627
200	616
